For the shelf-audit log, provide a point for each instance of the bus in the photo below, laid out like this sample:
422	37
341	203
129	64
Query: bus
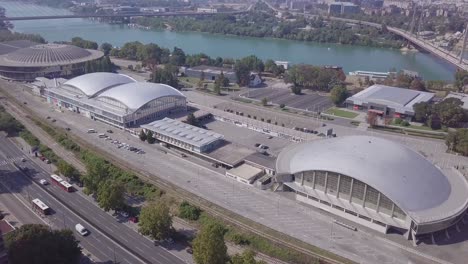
38	205
56	179
66	186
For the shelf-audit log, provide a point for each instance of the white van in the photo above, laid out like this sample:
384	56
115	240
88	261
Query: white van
91	130
81	229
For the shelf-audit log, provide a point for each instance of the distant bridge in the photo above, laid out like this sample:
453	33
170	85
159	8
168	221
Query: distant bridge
458	62
446	55
161	14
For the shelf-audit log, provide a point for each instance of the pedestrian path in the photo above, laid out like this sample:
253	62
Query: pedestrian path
10	160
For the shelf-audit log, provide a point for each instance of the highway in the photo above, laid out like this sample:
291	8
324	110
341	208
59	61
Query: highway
109	240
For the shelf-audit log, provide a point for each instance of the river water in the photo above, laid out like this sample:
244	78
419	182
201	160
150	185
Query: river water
351	58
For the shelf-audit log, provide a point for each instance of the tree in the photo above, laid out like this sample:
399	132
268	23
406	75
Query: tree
38	244
178	57
97	172
68	170
450	112
155	221
422	111
106	48
217	88
8	123
191	120
282	106
461	79
150	138
189	211
209	246
142	135
264	101
111	195
417	85
242	70
296	89
372	119
338	94
247	257
458	141
434	122
166	75
202	76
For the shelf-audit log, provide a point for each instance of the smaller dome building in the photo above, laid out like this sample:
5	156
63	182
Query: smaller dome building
374	182
117	99
44	60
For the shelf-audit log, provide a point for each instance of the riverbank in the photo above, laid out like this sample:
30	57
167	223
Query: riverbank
351	58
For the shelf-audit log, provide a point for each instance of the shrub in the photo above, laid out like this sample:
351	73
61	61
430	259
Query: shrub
397	121
188	211
405	123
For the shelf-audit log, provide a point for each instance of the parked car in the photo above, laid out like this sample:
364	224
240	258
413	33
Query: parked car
110	131
189	250
257	145
47	161
43	182
134	219
124	214
23	160
67	129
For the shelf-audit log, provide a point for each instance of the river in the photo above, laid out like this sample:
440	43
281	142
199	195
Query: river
351	58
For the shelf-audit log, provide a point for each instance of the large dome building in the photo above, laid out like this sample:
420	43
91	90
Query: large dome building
374	182
117	99
27	62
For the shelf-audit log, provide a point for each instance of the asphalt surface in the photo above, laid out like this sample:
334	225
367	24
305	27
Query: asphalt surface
273	210
104	229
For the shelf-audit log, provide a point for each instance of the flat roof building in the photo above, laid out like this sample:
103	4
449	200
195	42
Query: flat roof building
183	135
210	73
245	173
24	60
116	99
374	182
388	101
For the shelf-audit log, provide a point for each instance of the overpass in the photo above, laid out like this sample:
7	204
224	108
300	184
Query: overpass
445	55
161	14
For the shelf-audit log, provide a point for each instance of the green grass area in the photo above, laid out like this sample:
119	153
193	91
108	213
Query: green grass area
341	113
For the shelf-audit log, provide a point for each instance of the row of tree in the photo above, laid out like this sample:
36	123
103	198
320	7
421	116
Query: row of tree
259	23
314	77
103	64
447	113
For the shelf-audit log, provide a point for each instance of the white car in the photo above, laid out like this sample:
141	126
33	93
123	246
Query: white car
81	229
43	182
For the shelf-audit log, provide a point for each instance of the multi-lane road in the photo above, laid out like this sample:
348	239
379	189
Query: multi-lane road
109	240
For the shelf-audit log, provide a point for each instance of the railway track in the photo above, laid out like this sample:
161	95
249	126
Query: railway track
28	118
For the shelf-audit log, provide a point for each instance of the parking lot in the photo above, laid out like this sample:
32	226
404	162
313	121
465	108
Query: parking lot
313	102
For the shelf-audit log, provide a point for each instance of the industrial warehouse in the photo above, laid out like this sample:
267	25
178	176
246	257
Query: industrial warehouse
388	101
374	182
24	60
116	99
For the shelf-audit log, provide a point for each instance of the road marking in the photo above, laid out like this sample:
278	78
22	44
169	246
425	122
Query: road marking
121	237
147	246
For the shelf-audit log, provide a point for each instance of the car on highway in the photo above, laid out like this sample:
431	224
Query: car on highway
23	160
43	182
81	230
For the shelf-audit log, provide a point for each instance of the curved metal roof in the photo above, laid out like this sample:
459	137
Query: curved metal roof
401	174
48	55
93	83
136	94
